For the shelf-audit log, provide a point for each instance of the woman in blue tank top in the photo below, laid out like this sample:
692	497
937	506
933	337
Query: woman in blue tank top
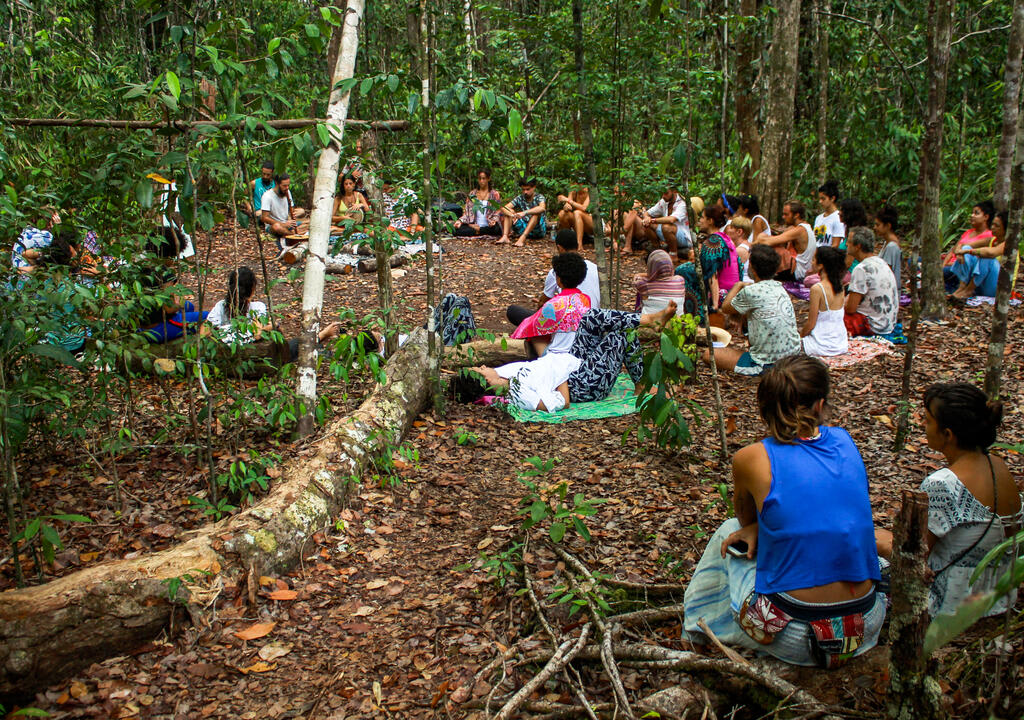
793	574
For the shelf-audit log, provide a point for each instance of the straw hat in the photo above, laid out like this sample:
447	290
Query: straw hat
720	336
697	203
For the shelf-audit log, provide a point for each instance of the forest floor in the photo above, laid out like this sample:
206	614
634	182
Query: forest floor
393	612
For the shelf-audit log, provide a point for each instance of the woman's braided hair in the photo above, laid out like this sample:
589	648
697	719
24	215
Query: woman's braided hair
787	394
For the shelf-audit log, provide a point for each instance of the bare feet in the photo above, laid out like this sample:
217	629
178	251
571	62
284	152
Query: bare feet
503	240
521	241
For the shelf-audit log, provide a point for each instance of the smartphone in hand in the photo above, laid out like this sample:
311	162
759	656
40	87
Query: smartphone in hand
738	549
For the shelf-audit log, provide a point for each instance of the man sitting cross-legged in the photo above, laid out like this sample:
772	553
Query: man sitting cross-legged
552	328
525	214
873	298
771	320
277	213
795	245
603	344
565	242
667	222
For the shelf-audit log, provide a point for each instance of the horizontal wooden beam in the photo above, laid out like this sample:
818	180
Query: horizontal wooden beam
183	125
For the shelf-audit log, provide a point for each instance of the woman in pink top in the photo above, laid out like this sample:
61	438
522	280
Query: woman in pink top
717	255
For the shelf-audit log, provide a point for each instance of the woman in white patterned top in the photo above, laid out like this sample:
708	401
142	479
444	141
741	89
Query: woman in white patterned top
973	504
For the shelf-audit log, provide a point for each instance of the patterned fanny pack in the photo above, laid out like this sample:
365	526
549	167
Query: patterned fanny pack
837	630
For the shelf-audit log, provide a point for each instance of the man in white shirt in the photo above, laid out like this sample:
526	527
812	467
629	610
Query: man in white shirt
565	241
277	213
668	222
828	228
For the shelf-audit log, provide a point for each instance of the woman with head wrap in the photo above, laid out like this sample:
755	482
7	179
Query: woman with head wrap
660	285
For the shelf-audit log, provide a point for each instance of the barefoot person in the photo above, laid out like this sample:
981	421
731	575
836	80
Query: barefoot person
793	574
667	222
482	213
525	214
574	212
795	245
588	371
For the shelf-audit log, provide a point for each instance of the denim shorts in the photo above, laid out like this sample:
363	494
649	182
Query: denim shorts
682	236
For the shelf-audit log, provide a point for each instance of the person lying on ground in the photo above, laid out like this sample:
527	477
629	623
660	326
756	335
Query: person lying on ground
824	331
604	342
872	301
400	208
886	223
973	504
795	245
31	242
979	234
718	261
258	187
771	324
565	242
277	213
660	286
167	316
525	215
667	222
977	267
797	585
553	327
482	212
828	227
574	212
749	208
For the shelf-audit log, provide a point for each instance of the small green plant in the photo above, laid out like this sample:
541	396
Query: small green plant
548	502
217	511
579	594
49	538
466	437
242	478
173	584
502	566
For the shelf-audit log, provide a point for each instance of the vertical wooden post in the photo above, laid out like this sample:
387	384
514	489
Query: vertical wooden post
914	693
1011	105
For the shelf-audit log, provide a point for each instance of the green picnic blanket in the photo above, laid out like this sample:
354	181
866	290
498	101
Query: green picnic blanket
620	401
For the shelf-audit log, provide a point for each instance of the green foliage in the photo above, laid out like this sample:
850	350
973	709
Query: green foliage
548	503
466	437
668	366
503	566
48	535
578	595
174	584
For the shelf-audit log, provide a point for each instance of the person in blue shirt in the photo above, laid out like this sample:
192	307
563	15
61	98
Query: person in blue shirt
260	185
794	573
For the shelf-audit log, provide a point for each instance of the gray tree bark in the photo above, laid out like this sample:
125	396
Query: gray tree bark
776	154
997	336
821	61
940	29
1011	106
320	219
746	97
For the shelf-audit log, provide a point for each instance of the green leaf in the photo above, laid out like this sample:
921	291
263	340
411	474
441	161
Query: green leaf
31	712
170	101
30	530
312	30
538	510
365	86
392	82
176	34
51	536
71	518
581	528
944	628
557	531
679	156
273	45
515	125
324	133
173	84
413	102
54	352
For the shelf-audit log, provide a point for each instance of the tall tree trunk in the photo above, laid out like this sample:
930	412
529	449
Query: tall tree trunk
723	126
320	220
587	121
433	349
776	154
997	338
940	28
1011	106
821	61
467	26
746	97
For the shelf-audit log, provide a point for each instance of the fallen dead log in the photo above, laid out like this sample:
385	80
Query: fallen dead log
180	125
370	264
250	361
50	631
485	352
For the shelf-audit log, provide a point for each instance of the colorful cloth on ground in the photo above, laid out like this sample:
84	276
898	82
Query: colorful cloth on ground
30	239
562	313
398	207
979	300
619	402
604	343
491	208
797	289
860	350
